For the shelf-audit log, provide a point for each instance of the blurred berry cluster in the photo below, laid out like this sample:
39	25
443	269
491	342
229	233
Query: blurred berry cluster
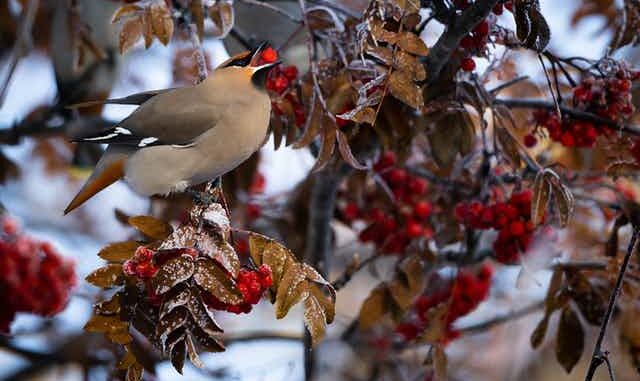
35	277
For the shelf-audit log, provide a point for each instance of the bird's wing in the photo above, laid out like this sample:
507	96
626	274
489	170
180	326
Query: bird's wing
178	117
174	118
133	99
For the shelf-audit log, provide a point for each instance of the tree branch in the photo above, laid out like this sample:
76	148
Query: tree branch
319	237
500	319
22	45
449	41
599	357
273	8
542	104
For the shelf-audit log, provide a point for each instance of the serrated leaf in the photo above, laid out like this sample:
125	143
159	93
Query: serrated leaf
176	297
436	327
125	11
216	281
409	64
147	28
411	43
105	324
202	317
126	361
108	307
374	307
379	33
175	271
171	322
327	147
209	343
570	340
120	337
404	89
314	319
151	227
162	22
540	199
130	34
108	276
119	251
292	289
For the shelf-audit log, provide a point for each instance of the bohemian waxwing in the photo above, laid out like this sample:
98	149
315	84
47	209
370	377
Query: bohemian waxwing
185	136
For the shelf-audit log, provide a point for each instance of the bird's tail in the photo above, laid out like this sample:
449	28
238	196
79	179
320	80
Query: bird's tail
109	169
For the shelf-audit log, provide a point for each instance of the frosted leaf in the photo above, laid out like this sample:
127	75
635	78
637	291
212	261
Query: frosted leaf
292	289
171	273
178	296
202	317
104	324
216	217
106	277
178	354
314	319
216	281
226	255
193	352
171	322
209	343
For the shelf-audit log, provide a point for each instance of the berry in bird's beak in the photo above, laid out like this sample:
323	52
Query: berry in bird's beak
269	55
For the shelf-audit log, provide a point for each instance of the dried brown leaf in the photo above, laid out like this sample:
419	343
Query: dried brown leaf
404	89
374	307
119	251
151	227
162	22
540	199
411	43
130	34
570	340
108	276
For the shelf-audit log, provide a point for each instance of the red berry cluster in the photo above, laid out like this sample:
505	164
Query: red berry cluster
279	82
469	289
392	229
35	278
475	43
512	219
251	284
608	97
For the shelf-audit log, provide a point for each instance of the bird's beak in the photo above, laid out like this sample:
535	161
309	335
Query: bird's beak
257	54
269	65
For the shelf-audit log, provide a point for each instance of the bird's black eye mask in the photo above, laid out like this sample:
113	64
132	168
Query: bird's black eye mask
239	60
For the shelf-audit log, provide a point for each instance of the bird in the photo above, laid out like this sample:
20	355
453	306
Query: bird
180	137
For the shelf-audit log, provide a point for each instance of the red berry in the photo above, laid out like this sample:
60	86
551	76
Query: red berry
351	211
397	176
422	209
291	72
482	29
468	64
418	186
414	229
269	55
530	140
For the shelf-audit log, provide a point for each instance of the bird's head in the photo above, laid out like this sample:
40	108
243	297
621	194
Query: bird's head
255	63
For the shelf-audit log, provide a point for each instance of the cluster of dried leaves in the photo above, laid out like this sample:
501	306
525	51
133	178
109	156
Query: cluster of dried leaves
170	309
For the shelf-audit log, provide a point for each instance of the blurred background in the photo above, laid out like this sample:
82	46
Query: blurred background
38	183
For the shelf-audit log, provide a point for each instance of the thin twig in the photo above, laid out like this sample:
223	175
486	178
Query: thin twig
598	356
509	83
500	319
262	335
22	46
542	104
273	8
346	276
